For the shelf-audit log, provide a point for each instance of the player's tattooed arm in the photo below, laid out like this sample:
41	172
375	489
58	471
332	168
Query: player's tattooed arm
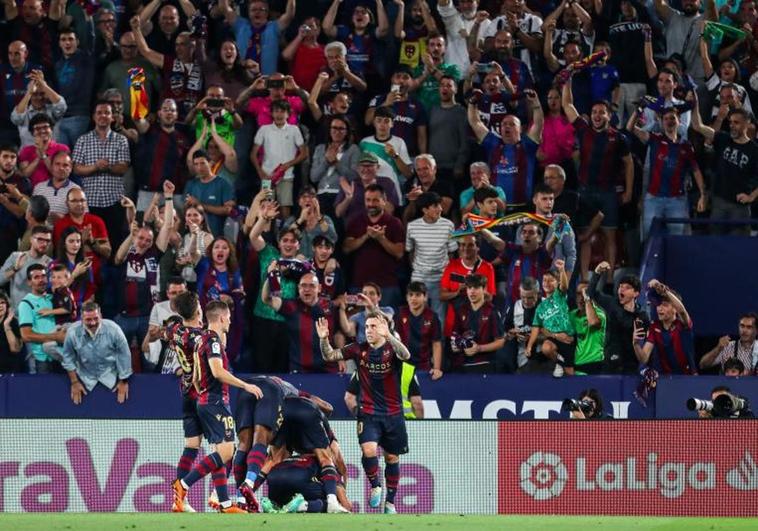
401	350
328	352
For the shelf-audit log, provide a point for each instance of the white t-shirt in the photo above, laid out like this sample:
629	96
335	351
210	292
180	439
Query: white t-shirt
387	166
158	315
280	144
456	51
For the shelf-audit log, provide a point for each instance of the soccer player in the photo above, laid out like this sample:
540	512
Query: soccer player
306	431
181	337
603	157
380	418
211	379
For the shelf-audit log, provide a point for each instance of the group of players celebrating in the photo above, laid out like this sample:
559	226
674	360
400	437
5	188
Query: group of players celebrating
282	433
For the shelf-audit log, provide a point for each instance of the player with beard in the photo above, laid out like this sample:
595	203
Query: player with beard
380	417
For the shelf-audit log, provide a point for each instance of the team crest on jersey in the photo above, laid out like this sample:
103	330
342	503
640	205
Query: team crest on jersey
409	50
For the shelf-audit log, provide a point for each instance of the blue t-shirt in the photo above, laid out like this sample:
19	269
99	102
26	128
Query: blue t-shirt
28	316
215	192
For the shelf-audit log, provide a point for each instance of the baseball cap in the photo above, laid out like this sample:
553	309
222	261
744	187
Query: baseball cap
368	158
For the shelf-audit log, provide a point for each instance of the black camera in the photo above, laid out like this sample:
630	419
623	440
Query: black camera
572	404
724	406
462	342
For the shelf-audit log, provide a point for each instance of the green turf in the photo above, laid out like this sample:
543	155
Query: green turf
211	522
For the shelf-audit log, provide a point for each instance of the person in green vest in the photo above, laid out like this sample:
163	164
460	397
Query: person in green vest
589	321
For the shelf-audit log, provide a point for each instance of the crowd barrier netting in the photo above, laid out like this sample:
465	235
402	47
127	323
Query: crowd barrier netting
521	467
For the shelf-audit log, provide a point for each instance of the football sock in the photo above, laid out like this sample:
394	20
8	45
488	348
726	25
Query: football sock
255	460
239	467
219	483
260	480
371	468
329	479
392	478
203	468
185	462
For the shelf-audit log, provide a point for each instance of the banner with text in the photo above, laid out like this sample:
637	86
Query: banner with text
674	468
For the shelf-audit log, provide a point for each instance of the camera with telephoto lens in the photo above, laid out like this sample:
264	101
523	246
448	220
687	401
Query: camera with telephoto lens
724	406
572	404
697	404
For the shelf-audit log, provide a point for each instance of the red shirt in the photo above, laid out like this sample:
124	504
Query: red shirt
372	263
307	64
456	266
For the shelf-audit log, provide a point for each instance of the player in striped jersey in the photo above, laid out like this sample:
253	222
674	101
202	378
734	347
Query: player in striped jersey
380	403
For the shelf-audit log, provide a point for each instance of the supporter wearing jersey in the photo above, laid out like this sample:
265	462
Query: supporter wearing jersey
605	166
669	165
477	330
301	315
668	346
512	156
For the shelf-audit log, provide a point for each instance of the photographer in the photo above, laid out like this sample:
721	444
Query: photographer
588	406
723	405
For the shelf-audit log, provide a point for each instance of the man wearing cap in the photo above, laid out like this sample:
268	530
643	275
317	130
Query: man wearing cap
410	117
394	161
349	202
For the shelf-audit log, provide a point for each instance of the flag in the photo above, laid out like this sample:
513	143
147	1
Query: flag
138	93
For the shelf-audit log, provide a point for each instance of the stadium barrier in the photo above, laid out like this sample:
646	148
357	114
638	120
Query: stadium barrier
691	467
477	397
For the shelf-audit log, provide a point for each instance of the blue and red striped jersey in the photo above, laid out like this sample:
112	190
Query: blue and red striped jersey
668	165
209	389
486	325
512	165
520	265
674	349
305	349
181	340
600	154
160	155
418	333
378	378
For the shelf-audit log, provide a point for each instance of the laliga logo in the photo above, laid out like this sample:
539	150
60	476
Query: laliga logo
543	476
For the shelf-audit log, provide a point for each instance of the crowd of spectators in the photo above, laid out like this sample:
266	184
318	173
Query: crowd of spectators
314	159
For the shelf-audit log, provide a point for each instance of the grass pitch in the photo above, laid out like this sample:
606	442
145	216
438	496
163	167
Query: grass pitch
207	522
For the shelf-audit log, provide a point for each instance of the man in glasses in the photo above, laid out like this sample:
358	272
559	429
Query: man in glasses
35	160
14	270
117	72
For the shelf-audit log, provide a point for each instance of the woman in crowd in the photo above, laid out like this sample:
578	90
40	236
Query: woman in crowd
70	252
335	159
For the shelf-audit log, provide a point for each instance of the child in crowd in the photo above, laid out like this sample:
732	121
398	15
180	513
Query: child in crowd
64	306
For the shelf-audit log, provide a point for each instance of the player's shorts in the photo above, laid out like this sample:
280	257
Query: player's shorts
249	411
286	481
217	422
303	430
190	419
388	431
606	202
